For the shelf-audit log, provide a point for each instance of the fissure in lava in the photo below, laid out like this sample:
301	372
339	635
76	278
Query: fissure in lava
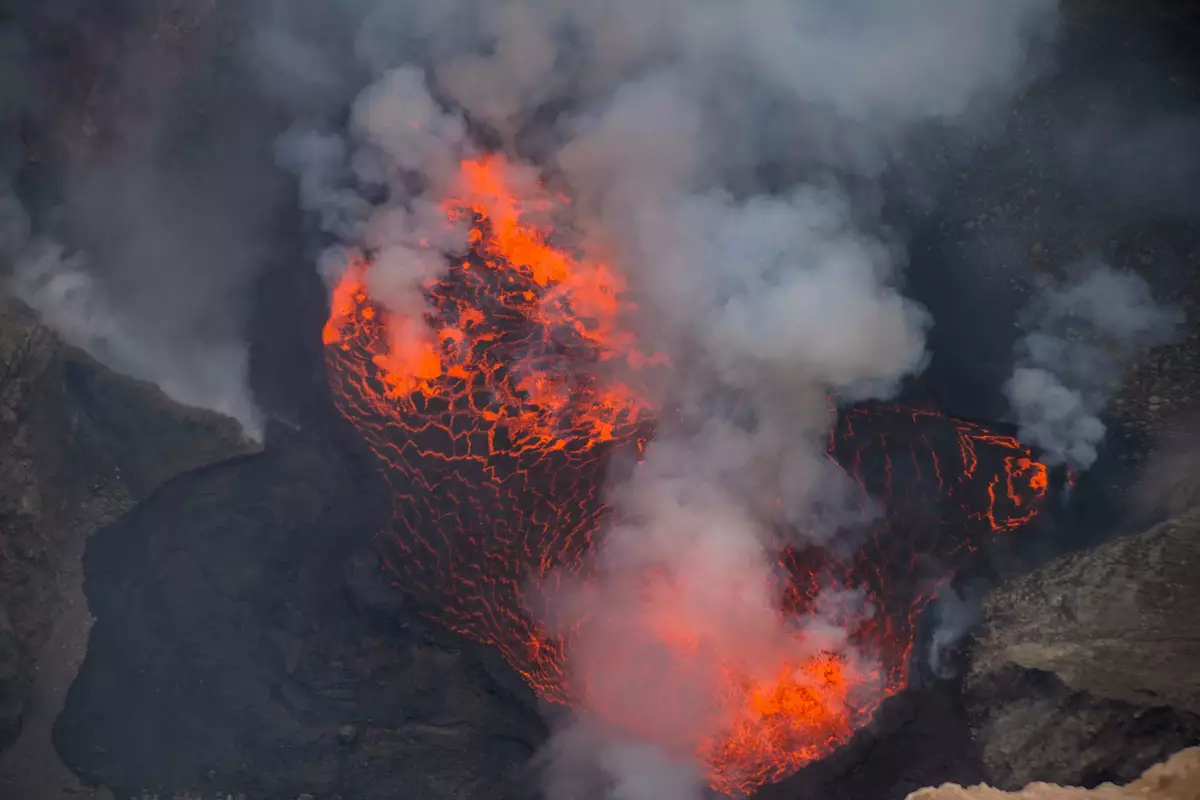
493	425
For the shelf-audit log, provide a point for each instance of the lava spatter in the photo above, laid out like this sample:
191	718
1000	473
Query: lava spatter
493	417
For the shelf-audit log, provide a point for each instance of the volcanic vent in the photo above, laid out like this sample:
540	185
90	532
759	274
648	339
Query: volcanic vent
613	309
494	409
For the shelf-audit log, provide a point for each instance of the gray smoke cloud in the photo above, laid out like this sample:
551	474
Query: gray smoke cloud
158	192
65	290
703	145
954	613
1080	336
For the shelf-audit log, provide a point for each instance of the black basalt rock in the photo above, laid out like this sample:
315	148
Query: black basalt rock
229	652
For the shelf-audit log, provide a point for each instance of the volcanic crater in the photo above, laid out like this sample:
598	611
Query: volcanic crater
357	610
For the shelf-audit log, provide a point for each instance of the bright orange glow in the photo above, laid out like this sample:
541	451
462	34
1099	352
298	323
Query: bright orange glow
671	682
803	714
494	417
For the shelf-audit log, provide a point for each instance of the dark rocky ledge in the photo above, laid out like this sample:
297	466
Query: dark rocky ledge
242	646
79	445
1088	669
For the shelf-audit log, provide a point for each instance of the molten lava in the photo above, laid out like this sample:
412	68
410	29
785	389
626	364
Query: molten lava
494	416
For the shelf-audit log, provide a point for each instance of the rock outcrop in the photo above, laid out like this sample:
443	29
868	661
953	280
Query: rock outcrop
1177	779
79	444
1088	669
244	643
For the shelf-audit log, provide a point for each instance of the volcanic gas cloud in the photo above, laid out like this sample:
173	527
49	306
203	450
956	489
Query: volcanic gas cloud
493	422
622	344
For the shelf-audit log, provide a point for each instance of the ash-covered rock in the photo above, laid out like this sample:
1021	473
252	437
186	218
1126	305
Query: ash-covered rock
231	652
1089	668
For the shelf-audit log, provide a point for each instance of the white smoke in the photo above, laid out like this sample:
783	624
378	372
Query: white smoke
156	204
396	130
583	762
60	286
671	124
954	613
1080	336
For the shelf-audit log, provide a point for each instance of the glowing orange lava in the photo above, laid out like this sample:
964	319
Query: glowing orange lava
494	417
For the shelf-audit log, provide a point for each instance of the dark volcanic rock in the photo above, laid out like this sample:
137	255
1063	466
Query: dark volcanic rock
229	653
79	444
11	682
1089	668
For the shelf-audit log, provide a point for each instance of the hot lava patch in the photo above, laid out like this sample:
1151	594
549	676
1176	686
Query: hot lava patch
494	412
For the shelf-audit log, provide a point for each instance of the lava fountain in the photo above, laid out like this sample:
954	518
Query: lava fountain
494	413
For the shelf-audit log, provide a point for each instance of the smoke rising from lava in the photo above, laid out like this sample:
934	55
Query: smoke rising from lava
1079	338
668	124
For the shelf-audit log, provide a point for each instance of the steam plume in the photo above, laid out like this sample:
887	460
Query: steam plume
1079	337
954	613
158	200
64	289
669	124
193	372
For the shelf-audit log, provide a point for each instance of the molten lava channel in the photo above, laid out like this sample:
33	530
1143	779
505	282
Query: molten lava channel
493	417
